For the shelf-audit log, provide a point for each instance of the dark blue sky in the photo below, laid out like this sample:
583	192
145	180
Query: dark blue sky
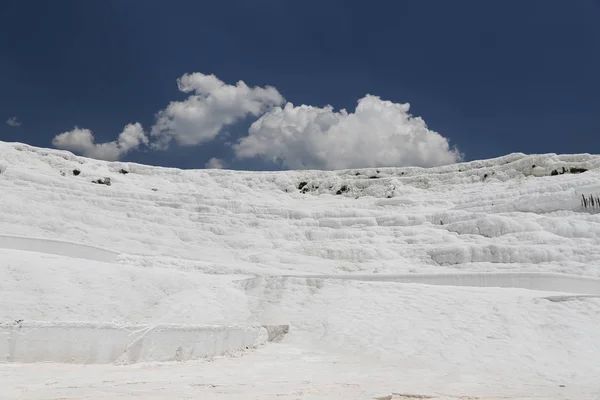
494	77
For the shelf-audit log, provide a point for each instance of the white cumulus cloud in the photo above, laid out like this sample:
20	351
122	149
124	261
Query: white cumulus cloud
378	133
13	121
82	141
215	163
212	105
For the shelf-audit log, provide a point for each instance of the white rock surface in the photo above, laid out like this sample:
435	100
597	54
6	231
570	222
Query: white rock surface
475	280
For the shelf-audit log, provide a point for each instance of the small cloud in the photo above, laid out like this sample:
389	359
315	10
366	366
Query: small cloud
215	163
13	121
212	106
378	133
82	141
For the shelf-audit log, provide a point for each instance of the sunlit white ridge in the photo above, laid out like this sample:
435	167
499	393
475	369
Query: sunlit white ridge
475	280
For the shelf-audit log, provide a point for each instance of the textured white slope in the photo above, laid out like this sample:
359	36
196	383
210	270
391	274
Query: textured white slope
248	248
226	221
53	288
